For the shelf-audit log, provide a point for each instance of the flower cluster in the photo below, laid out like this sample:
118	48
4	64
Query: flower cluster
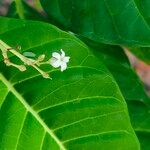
58	60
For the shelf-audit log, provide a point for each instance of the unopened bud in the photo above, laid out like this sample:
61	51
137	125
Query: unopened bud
18	47
41	57
22	68
46	75
7	62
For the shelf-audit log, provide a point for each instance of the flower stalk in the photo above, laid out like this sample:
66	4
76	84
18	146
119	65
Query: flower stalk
58	60
35	63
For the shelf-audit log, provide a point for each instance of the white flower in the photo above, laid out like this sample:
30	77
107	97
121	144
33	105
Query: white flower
59	60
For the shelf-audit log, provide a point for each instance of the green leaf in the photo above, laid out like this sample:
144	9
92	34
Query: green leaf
81	108
131	87
124	22
108	21
20	9
117	63
143	53
144	8
140	118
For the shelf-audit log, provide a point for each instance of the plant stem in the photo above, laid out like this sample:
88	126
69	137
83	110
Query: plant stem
27	61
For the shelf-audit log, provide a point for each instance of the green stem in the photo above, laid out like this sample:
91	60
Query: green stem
19	7
27	61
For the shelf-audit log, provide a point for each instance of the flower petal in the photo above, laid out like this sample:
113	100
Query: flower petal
63	66
55	63
56	55
66	59
62	53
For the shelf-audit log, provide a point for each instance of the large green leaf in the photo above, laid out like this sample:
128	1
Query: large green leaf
81	108
118	64
106	21
143	52
131	87
20	9
144	8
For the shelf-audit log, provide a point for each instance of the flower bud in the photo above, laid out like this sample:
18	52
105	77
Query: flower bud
22	68
41	57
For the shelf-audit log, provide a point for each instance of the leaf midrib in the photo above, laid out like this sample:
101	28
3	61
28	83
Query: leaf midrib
29	109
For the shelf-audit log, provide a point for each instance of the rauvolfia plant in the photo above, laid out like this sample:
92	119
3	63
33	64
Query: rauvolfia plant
65	80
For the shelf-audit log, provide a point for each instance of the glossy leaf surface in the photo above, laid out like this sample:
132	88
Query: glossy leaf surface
131	87
79	108
119	22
